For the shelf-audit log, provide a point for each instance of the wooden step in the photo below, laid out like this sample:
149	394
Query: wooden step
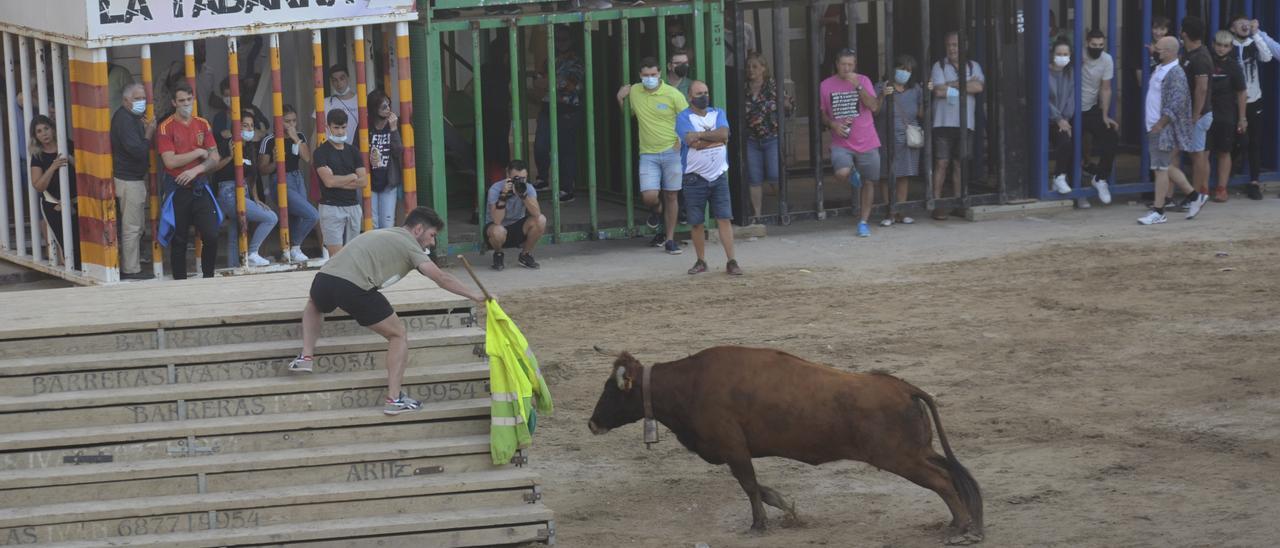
227	353
262	398
111	517
470	527
88	439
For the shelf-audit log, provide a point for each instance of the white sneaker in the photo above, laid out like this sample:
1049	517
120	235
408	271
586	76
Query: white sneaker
296	255
1060	185
1104	192
907	221
886	222
257	260
1153	218
1083	203
1195	206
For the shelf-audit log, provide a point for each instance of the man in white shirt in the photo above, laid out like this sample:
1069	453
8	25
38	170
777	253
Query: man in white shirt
947	91
344	96
1095	99
1169	125
704	132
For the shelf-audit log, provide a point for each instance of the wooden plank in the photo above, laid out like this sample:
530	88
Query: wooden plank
230	352
156	376
426	390
252	517
245	462
498	536
401	524
278	385
373	432
57	312
335	325
249	480
506	478
235	425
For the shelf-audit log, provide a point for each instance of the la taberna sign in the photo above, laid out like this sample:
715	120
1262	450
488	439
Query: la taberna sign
119	20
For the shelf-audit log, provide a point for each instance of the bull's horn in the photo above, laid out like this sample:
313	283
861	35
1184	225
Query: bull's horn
606	352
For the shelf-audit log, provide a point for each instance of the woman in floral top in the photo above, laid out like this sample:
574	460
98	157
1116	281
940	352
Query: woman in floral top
762	128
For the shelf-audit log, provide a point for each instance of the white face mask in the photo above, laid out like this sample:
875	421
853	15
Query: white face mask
1061	60
650	82
338	139
341	91
185	111
139	106
247	135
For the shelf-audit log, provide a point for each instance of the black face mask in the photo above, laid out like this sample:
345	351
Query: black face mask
1155	57
1094	53
681	70
701	102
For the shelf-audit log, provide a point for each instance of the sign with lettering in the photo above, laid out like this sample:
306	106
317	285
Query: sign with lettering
116	19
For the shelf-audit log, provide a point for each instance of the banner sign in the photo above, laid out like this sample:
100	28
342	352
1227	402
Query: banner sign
130	18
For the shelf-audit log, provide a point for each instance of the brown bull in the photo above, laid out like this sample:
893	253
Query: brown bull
731	404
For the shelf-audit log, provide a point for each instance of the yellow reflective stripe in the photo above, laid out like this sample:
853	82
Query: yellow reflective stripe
504	396
507	421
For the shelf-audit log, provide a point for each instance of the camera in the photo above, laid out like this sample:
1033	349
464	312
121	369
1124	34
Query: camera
521	186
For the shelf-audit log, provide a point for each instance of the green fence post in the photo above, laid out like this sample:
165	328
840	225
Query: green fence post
662	45
553	122
476	86
589	61
517	120
719	93
699	57
435	141
628	176
418	38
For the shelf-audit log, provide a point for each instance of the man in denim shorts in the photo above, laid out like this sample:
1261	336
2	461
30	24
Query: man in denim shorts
704	131
655	105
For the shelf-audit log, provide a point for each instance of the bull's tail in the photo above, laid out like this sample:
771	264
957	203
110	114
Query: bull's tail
961	479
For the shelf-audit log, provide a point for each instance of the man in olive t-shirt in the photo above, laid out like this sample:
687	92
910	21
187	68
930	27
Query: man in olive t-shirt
350	280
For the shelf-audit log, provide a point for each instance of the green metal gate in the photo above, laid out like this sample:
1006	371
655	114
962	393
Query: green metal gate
640	31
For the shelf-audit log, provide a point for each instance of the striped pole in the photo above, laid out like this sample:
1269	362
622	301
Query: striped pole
237	148
64	178
362	102
404	81
317	82
28	112
153	200
189	67
277	109
15	168
91	123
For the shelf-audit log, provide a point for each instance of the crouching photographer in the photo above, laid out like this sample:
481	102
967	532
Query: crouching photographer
513	217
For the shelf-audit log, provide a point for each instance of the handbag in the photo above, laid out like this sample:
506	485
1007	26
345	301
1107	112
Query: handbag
915	136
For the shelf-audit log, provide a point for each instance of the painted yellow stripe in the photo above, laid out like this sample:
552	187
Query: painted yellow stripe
93	164
406	89
91	119
406	139
88	206
99	254
89	73
402	46
411	179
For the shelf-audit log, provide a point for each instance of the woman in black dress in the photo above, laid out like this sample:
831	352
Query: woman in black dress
45	163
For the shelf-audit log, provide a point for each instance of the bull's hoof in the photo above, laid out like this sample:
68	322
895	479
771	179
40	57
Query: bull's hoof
758	527
964	539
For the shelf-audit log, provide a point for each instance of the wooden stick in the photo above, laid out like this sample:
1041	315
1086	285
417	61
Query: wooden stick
467	264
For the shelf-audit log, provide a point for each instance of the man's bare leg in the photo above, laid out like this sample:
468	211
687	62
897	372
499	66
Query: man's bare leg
726	237
312	322
397	351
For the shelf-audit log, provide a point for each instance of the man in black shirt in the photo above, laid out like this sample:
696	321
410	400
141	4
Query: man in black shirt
342	175
1227	89
1198	65
130	162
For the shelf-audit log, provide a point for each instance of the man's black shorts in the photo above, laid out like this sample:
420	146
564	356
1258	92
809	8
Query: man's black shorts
515	233
366	306
1222	137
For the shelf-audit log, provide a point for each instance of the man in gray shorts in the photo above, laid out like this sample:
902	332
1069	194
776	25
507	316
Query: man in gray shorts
1169	128
342	175
849	104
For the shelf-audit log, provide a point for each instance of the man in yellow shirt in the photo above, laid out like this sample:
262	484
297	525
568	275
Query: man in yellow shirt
655	105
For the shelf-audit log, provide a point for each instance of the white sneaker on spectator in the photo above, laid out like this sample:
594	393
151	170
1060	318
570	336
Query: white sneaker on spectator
1196	205
1152	218
296	255
1083	203
1060	185
257	260
600	4
886	222
1104	192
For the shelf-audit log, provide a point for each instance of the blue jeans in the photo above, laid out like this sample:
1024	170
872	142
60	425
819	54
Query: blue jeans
302	215
762	161
254	214
698	192
384	207
661	171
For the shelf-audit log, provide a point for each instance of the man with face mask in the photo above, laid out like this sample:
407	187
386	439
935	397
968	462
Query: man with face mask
188	151
1251	51
344	95
131	134
1095	99
1169	123
704	134
342	175
655	106
678	70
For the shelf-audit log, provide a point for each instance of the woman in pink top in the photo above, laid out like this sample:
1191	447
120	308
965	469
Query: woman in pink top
849	105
